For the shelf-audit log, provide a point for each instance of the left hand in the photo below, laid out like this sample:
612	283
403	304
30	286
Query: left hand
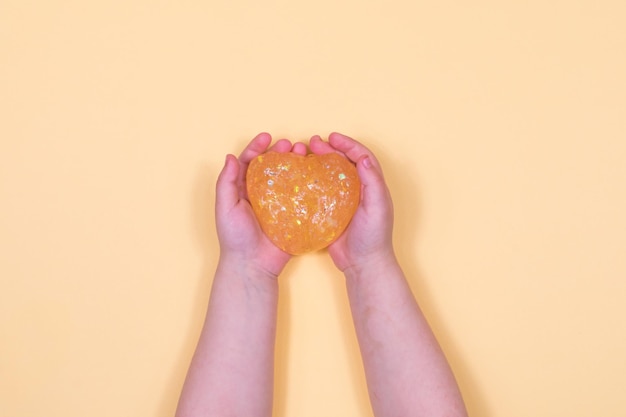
241	238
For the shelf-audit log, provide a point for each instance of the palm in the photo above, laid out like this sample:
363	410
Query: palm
369	233
238	230
363	238
242	234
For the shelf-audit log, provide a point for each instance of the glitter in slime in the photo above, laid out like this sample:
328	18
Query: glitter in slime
303	203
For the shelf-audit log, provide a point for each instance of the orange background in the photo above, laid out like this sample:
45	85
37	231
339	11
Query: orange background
501	128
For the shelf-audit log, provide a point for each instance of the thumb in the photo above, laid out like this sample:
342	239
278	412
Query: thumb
226	189
374	192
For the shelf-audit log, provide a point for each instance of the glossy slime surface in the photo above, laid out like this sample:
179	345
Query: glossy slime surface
303	203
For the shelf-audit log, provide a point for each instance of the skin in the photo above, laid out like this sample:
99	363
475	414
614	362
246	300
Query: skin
407	373
231	373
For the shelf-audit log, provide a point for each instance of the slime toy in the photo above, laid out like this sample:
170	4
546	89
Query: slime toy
303	203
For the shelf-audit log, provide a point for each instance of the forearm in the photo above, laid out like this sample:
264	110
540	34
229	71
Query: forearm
407	373
232	369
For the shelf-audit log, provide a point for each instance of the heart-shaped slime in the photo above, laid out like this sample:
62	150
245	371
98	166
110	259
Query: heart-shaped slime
303	203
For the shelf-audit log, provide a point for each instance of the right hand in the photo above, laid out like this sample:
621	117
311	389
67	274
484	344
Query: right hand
368	238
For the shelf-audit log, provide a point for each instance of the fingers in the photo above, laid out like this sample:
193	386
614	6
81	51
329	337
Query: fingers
232	180
319	147
337	142
343	145
351	148
374	192
260	145
282	145
299	148
257	146
227	189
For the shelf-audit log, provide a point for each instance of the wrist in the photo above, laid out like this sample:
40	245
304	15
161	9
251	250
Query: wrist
244	267
372	266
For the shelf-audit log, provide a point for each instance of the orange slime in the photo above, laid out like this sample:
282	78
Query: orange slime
303	203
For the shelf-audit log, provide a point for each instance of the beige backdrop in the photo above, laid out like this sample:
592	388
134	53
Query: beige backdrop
502	130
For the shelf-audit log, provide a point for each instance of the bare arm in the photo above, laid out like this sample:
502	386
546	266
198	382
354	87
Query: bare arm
232	371
407	373
406	370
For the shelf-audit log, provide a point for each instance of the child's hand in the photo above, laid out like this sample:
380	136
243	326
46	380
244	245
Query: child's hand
240	236
368	238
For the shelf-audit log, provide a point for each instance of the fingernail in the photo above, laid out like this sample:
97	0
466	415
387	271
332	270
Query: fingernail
366	162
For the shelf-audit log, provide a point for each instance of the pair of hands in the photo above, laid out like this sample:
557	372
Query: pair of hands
366	240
